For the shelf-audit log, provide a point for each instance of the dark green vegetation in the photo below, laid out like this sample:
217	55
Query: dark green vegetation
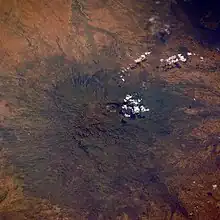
72	150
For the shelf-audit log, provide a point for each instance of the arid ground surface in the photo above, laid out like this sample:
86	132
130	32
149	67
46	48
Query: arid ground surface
65	154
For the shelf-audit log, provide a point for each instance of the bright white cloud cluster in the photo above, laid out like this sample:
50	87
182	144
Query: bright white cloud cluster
170	61
133	107
142	58
137	61
174	59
